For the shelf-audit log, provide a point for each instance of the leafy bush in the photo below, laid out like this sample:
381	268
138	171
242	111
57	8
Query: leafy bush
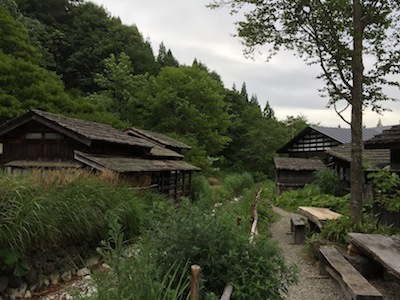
233	186
133	273
310	195
328	181
200	189
291	200
386	188
222	249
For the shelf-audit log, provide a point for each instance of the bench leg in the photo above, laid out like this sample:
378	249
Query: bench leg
323	263
299	234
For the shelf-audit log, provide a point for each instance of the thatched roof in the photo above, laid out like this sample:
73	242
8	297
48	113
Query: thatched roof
298	164
156	137
388	139
84	131
126	164
371	157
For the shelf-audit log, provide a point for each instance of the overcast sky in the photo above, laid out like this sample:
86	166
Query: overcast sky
192	31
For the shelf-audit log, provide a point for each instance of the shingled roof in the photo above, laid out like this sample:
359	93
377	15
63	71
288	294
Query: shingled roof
84	131
126	164
389	138
298	164
371	157
157	137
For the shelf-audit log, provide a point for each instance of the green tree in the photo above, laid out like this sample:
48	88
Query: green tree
15	39
255	138
337	35
268	111
165	57
187	101
24	84
296	124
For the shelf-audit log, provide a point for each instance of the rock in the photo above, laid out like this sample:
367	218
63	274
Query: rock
92	261
66	276
15	281
3	283
43	282
38	259
54	278
49	267
83	272
51	256
31	277
17	293
28	295
105	266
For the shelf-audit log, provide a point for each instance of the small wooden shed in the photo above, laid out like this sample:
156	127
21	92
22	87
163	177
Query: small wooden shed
293	173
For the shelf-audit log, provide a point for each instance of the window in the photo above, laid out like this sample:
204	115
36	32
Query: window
33	135
53	136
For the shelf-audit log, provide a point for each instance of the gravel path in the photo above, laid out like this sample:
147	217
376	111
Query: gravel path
310	285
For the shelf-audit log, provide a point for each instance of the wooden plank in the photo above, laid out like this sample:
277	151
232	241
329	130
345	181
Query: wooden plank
354	285
382	248
318	215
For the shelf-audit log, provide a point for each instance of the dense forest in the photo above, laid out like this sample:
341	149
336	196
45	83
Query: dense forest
72	57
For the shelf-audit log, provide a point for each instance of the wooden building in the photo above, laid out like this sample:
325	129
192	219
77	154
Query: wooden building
318	142
390	140
293	173
43	140
314	141
340	158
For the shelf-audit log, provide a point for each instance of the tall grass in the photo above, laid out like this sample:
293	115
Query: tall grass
62	208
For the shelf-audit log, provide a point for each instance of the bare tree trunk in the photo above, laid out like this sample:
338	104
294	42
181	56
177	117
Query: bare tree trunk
356	175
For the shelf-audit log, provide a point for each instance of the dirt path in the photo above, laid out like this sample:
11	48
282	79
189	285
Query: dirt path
311	285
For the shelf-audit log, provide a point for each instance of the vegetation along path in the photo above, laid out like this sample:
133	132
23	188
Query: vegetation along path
311	285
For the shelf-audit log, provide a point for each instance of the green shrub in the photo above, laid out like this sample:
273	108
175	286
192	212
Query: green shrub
233	185
222	249
291	200
133	273
200	189
386	188
328	181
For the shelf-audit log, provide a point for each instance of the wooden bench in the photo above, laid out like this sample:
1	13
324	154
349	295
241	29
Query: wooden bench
317	215
353	284
298	229
381	248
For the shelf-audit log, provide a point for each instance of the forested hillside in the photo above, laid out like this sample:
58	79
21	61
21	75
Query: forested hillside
73	58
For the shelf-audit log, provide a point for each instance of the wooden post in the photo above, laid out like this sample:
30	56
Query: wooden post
194	288
227	292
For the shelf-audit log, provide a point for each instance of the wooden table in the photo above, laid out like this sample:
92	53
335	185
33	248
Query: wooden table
317	215
382	248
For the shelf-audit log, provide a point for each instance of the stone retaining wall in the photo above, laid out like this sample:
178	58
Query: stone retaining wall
47	267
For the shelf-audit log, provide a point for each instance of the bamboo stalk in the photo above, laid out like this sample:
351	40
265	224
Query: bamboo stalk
194	289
